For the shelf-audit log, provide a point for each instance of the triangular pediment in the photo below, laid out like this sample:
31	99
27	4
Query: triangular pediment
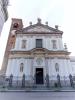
40	28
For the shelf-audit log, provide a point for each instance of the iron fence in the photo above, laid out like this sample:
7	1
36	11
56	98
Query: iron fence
30	82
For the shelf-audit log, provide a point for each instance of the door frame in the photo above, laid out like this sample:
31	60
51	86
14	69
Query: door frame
42	75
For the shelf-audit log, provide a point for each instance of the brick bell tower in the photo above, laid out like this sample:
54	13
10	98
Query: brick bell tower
15	25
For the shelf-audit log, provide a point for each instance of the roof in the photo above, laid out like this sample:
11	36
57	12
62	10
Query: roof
39	28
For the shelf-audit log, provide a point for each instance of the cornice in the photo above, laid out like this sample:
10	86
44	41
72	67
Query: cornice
40	51
41	34
18	56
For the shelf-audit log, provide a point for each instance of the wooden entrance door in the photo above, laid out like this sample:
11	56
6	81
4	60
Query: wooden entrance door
39	75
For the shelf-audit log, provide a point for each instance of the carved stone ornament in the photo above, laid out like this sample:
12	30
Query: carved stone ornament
39	61
39	29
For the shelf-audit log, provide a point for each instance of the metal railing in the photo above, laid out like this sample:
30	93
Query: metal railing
30	82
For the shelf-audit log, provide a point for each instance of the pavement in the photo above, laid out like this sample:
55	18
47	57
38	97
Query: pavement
37	95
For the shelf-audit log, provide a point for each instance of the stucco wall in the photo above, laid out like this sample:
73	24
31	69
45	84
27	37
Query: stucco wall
48	65
31	42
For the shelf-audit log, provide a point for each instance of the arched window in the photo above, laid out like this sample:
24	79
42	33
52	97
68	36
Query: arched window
57	67
21	67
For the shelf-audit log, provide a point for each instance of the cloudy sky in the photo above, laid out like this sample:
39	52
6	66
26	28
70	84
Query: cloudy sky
56	12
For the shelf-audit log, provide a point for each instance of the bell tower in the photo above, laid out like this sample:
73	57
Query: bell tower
16	24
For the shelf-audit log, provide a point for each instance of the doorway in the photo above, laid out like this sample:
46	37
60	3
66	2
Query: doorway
39	75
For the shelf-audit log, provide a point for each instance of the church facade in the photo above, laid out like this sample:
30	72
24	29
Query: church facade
37	52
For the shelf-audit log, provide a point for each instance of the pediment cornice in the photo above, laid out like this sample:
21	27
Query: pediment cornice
38	28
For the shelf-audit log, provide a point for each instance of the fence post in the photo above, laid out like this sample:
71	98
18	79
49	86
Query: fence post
47	80
23	80
10	80
71	80
58	79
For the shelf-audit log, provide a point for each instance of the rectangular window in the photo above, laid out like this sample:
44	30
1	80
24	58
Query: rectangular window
38	43
23	43
54	44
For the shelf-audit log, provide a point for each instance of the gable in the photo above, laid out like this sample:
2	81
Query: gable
39	29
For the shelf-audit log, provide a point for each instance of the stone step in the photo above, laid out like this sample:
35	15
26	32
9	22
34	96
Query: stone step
40	87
